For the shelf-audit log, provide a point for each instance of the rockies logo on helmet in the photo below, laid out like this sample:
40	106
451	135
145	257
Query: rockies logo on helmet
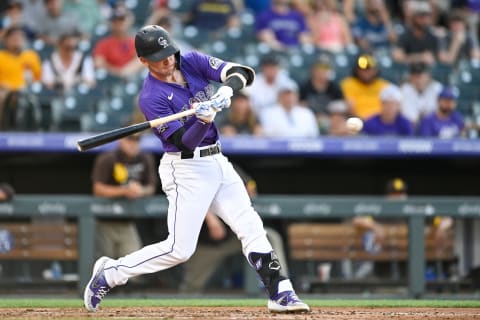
163	42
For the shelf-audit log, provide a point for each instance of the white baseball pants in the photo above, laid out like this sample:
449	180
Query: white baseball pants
192	186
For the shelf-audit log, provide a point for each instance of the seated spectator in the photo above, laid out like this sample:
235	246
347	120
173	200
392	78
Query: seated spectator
418	43
374	29
389	122
420	92
287	118
362	89
56	21
214	15
6	192
337	115
460	43
14	17
445	122
239	118
264	90
68	66
116	52
330	30
320	89
281	27
87	11
19	67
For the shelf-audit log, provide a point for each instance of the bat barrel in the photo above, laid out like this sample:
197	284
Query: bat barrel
109	136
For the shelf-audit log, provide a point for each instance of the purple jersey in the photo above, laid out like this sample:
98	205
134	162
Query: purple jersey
159	99
287	27
400	127
432	126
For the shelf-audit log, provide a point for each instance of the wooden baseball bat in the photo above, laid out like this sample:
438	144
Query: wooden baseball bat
115	134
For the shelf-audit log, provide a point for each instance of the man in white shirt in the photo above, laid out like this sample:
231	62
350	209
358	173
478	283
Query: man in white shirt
419	93
264	90
288	118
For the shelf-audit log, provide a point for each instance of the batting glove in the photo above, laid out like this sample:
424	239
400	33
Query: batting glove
205	111
221	99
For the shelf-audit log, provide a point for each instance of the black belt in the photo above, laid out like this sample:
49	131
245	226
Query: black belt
210	151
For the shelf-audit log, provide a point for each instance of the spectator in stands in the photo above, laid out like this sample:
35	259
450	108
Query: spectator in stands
32	11
214	15
445	122
362	89
264	90
124	173
67	66
320	89
460	43
19	67
6	192
216	242
288	118
281	27
55	21
389	122
337	114
240	118
14	16
330	31
116	52
418	43
87	11
420	92
374	29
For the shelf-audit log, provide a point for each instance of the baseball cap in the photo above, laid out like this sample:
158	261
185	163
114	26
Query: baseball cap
366	61
337	106
448	92
396	185
418	67
287	85
420	7
391	93
269	59
323	62
119	13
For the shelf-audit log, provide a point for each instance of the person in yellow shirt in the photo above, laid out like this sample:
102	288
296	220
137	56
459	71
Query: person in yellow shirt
19	66
362	88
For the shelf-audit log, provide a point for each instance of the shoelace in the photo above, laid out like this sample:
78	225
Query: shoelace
102	292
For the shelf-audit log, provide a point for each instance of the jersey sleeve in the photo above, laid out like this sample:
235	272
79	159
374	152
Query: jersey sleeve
208	66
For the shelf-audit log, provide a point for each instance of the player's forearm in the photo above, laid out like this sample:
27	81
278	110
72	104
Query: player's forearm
195	134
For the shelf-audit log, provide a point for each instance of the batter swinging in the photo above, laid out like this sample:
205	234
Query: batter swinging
195	175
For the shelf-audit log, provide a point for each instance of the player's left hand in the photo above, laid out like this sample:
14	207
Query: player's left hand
205	111
221	99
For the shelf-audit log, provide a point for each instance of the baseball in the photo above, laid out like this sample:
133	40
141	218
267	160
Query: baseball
354	124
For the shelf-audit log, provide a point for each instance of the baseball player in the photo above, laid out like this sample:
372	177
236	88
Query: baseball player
195	175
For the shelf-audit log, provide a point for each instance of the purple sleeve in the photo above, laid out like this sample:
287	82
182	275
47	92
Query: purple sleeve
209	67
195	134
262	21
301	22
424	128
407	127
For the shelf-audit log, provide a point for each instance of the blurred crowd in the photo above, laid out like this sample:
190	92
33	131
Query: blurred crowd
406	68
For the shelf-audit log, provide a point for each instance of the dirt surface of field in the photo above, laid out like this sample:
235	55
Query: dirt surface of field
229	313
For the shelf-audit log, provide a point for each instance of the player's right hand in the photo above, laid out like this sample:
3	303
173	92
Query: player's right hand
205	111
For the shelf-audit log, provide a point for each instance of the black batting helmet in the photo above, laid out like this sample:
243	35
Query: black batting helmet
154	44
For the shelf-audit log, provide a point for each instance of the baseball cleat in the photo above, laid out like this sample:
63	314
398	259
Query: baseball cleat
287	302
97	287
